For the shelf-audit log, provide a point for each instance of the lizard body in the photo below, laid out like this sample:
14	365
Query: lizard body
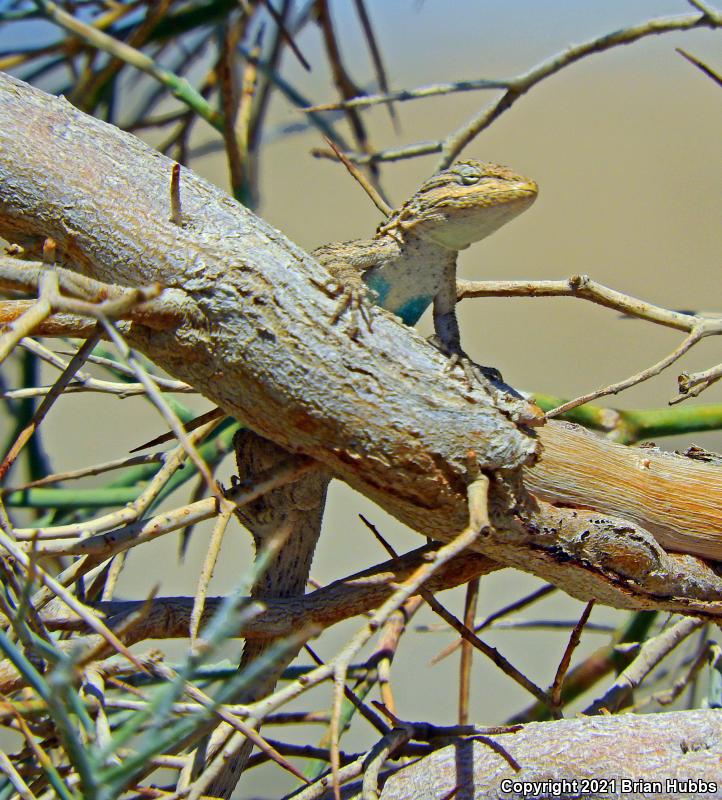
411	260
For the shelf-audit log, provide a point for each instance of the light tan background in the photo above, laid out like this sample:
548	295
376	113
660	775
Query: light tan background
626	149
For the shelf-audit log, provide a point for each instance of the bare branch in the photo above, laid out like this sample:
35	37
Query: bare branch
514	87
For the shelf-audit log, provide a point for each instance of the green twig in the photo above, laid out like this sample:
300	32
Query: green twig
126	489
639	424
61	720
179	87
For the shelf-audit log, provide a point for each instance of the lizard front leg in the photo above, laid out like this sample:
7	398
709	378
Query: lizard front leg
448	336
347	283
448	340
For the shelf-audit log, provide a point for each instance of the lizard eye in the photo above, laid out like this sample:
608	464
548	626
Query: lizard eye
468	174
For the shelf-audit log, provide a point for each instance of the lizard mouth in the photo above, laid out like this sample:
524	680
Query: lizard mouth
490	193
459	223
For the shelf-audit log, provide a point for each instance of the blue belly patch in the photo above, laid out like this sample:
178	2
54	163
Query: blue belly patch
409	308
412	309
380	287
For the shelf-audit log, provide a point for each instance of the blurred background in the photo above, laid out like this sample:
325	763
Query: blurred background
625	147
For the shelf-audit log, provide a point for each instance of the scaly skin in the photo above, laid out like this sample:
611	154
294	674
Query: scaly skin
411	261
408	260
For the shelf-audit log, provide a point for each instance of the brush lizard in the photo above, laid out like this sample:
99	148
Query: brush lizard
411	260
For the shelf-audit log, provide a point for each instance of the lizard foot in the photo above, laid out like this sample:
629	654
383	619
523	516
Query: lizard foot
514	405
351	301
473	372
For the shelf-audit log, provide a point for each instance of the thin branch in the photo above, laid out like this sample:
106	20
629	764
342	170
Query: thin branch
235	134
157	399
705	8
376	197
666	697
633	380
378	755
582	286
341	78
279	19
176	211
159	309
204	701
433	90
649	656
69	600
478	521
209	563
376	56
521	84
467	636
517	605
179	87
88	88
514	88
467	652
62	382
716	77
555	693
15	778
693	384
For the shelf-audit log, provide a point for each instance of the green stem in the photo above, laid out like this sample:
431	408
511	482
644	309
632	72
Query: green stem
125	490
638	424
179	87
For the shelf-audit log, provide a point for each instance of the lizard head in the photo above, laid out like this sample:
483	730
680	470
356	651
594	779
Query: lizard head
463	204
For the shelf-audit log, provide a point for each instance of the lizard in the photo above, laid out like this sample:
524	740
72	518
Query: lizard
410	262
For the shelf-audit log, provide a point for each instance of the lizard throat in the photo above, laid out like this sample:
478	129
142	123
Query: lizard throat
457	228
